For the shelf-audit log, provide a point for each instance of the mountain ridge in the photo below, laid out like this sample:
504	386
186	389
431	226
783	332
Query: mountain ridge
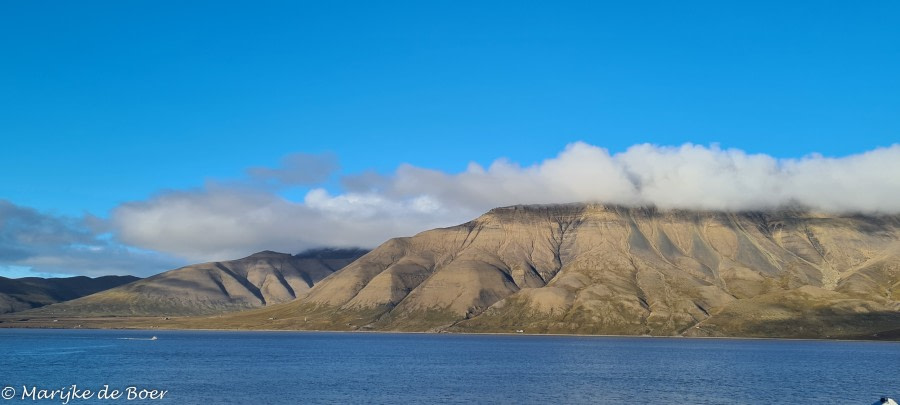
20	294
260	279
601	269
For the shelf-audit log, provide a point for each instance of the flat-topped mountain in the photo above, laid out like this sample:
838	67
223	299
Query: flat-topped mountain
19	294
261	279
596	269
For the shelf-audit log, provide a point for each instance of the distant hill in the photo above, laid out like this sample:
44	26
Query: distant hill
596	269
19	294
261	279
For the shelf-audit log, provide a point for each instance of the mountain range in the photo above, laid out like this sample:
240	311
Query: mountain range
598	269
261	279
19	294
572	269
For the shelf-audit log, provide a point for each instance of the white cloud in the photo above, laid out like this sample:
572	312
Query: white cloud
226	222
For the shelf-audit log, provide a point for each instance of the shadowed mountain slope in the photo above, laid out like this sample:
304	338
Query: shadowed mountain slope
612	270
20	294
261	279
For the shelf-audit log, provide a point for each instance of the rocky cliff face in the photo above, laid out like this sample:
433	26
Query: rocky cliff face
614	270
264	278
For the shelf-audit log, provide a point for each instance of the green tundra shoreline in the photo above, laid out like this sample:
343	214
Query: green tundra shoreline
184	324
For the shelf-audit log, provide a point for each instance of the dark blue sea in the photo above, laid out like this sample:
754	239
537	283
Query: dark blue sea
311	367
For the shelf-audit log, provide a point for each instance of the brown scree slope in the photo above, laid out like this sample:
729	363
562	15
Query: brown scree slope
261	279
597	269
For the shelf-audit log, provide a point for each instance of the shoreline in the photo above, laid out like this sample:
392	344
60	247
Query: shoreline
381	332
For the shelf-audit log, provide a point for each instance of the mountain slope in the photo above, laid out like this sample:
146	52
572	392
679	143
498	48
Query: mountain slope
258	280
614	270
31	292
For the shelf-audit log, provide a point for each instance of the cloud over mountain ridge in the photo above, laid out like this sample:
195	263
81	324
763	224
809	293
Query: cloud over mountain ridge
236	217
222	220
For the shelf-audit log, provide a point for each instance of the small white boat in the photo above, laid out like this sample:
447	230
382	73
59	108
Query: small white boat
153	338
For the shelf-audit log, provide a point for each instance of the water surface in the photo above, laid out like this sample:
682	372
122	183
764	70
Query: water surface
200	367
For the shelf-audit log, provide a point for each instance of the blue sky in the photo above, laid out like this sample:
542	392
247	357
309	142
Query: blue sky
104	103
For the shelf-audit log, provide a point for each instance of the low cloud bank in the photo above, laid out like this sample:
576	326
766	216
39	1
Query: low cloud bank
221	221
34	243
